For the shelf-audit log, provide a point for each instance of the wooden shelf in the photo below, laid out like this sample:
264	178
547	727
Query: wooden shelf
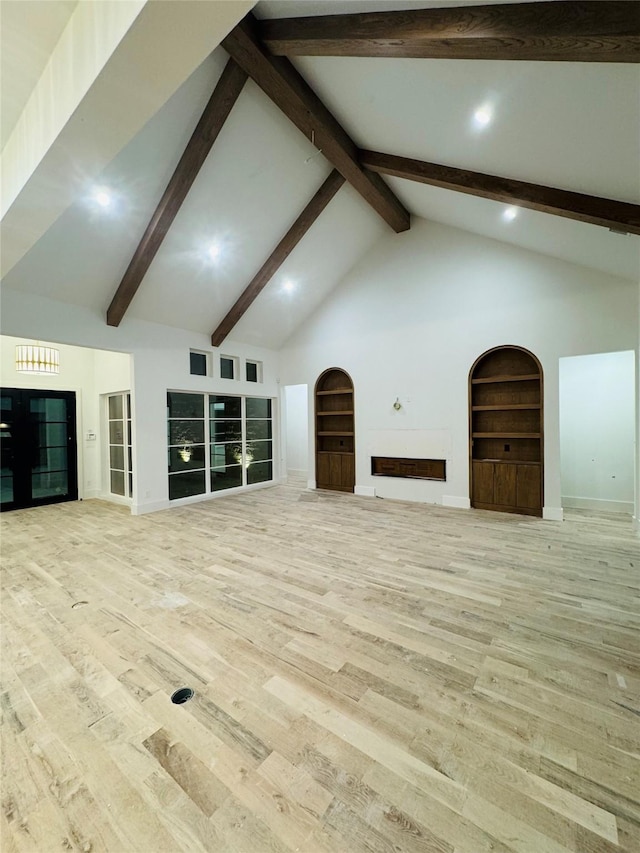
333	432
505	435
335	391
328	414
526	377
508	461
505	407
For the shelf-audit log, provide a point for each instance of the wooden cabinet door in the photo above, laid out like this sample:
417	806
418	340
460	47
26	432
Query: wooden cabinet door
323	477
335	470
529	492
504	484
483	482
348	472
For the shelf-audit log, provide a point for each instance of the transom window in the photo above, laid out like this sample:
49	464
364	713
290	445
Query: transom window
217	442
198	363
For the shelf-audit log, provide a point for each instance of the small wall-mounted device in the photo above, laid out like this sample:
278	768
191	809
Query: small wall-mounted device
91	436
397	405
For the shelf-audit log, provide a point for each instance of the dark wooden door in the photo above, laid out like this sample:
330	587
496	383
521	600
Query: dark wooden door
38	446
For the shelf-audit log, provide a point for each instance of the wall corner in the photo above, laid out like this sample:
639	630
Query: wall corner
553	513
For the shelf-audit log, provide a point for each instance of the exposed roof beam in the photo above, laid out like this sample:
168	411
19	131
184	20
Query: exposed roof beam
617	215
288	90
213	118
275	260
592	31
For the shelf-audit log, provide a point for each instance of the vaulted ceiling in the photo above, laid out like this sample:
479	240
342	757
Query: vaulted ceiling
570	125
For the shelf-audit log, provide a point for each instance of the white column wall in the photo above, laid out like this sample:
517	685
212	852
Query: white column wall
296	428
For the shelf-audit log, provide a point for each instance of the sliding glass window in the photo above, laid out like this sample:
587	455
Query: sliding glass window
259	448
186	443
238	443
225	431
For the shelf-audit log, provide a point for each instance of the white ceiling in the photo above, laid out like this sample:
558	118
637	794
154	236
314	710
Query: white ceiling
570	125
29	30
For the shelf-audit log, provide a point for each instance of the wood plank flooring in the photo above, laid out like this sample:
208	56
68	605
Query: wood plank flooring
369	675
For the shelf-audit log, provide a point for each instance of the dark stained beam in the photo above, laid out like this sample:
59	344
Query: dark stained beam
592	31
213	118
281	252
289	91
617	215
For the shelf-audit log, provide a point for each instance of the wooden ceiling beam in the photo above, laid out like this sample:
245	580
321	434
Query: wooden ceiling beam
591	31
211	122
282	251
279	80
616	215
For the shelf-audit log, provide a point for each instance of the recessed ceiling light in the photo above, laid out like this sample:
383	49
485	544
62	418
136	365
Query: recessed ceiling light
483	116
288	286
214	251
510	214
103	197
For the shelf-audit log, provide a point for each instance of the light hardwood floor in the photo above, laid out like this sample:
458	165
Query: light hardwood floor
369	675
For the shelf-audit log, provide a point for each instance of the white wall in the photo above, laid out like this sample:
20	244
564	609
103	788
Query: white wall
410	319
597	431
88	373
296	428
636	515
160	362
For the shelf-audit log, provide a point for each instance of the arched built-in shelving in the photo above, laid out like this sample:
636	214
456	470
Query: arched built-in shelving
506	431
335	431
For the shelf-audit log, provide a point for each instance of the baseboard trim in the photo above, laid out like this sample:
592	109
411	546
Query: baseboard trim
156	506
113	499
365	491
597	504
456	502
552	513
311	484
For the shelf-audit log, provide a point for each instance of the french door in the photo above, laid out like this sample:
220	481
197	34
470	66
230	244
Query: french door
38	445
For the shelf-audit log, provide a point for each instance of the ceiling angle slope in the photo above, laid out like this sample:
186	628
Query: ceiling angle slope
281	82
215	114
281	252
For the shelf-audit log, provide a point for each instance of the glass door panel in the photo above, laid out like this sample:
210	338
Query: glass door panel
6	448
38	436
120	456
49	469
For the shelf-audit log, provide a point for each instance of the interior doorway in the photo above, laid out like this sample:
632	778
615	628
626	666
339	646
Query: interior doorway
597	431
39	452
296	413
